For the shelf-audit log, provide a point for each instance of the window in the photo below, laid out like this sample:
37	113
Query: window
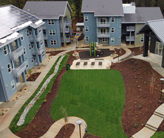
103	31
86	18
103	20
45	42
30	46
28	32
43	54
87	38
34	58
86	29
41	42
112	19
24	50
5	50
53	42
142	39
44	32
105	39
50	22
22	38
52	32
9	67
40	29
12	84
26	64
112	30
112	40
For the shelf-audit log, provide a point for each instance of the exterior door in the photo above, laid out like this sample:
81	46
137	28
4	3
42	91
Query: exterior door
103	20
159	49
103	31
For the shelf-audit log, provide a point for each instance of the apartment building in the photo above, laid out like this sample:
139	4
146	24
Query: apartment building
21	47
57	17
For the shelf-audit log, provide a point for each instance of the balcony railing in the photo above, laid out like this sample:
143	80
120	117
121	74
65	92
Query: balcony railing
128	38
44	27
101	35
19	70
67	30
68	23
39	50
45	37
68	40
103	24
130	28
16	53
38	38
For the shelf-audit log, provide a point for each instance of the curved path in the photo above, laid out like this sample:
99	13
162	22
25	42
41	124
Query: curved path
55	128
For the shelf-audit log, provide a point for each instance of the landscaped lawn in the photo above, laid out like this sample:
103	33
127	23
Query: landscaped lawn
158	135
97	96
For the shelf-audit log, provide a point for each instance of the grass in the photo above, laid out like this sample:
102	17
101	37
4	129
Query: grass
32	112
97	96
158	135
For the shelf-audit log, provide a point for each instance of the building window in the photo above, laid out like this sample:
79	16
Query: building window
43	54
112	19
22	38
103	20
41	42
26	64
86	38
86	28
85	18
5	50
28	32
30	46
44	32
45	42
32	60
9	67
112	40
24	51
12	84
40	29
105	39
53	42
142	39
112	30
52	32
50	22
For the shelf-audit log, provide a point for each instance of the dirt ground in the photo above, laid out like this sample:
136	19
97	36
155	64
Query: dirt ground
137	50
140	102
33	76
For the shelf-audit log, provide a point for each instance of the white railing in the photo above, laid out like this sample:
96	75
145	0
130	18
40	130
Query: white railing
130	28
103	24
16	53
19	70
128	38
99	34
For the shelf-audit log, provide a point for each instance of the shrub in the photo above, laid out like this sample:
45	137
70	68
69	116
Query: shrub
144	82
136	81
135	77
44	100
140	90
135	125
138	86
140	106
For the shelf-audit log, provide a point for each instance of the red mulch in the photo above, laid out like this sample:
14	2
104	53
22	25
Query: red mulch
137	76
54	53
33	76
119	53
137	50
66	133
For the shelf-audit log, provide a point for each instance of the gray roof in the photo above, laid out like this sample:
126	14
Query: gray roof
103	7
143	14
11	16
47	9
157	26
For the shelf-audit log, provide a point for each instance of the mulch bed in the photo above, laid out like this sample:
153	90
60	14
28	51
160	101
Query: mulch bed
118	52
33	76
66	133
54	53
137	50
140	103
90	136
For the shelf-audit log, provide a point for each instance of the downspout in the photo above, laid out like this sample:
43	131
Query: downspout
4	88
63	31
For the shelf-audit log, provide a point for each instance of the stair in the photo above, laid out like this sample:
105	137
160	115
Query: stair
151	127
159	114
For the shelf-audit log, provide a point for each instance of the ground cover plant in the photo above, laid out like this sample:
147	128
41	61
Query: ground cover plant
30	115
97	96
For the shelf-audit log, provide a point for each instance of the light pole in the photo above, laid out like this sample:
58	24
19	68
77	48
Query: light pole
162	79
79	122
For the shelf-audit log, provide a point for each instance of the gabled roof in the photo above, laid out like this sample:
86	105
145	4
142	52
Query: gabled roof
157	26
103	7
143	14
11	17
47	9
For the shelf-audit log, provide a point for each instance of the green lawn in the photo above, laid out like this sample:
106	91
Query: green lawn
158	135
97	96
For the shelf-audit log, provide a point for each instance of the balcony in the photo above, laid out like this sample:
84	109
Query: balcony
67	30
102	35
38	38
103	24
68	40
128	38
16	53
45	37
68	23
19	70
44	27
39	50
130	28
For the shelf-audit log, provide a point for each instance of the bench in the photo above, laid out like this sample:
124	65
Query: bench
100	63
85	63
77	63
93	63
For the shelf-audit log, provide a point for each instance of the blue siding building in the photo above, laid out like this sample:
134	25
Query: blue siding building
102	21
57	17
21	47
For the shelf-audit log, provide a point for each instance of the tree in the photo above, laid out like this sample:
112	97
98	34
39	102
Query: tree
160	3
64	112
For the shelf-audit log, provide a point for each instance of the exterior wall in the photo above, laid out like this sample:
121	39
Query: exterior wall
103	43
2	91
117	34
138	37
91	24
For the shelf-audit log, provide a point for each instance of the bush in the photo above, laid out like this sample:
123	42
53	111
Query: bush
81	37
135	125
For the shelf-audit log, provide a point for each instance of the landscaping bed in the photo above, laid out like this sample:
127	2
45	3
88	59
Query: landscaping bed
140	103
66	132
54	53
119	52
33	76
137	50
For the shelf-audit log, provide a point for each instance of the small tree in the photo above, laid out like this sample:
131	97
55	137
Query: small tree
30	71
64	112
152	83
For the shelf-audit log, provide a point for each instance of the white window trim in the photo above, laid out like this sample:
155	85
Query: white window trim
51	22
86	39
85	29
8	68
106	39
86	17
113	30
113	40
5	50
112	18
103	19
9	48
13	84
141	39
